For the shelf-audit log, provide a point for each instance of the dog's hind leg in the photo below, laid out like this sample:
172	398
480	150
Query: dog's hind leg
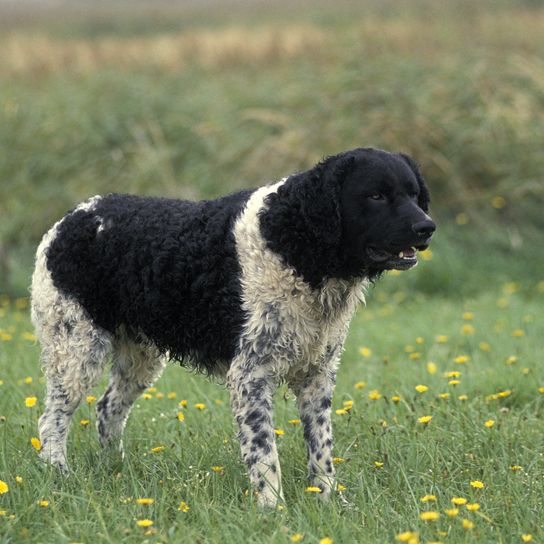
74	352
135	368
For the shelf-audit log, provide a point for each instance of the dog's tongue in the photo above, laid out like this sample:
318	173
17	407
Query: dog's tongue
408	253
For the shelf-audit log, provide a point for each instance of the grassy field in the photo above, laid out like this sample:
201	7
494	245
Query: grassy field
196	99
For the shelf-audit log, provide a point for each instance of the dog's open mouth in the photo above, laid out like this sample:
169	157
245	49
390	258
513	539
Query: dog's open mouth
398	260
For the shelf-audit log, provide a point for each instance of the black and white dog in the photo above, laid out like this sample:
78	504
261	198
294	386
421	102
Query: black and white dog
258	287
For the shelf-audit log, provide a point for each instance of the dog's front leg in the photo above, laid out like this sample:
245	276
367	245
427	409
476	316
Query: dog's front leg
251	392
314	399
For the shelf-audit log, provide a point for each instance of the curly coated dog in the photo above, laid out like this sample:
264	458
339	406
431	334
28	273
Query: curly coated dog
258	287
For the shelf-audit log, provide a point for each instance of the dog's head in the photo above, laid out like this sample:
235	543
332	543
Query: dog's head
354	214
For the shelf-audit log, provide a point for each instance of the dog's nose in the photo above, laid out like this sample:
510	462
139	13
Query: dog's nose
424	228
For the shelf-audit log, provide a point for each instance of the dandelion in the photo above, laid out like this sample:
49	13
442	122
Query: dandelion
444	395
432	368
452	374
461	359
424	419
279	432
4	487
151	389
144	523
365	352
511	360
462	219
28	380
498	202
171	395
90	399
157	449
527	537
429	516
518	333
378	464
30	337
200	406
326	540
515	468
476	484
421	388
473	506
43	503
459	501
36	444
348	404
396	398
374	395
451	512
454	382
407	536
468	329
420	340
341	412
297	537
504	394
467	524
30	402
462	397
340	487
428	498
294	421
183	403
313	489
19	479
217	468
147	396
337	460
183	507
84	422
484	346
415	356
159	396
180	416
145	501
468	316
442	339
360	385
489	423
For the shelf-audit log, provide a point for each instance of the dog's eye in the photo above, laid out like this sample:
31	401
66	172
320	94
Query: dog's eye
376	196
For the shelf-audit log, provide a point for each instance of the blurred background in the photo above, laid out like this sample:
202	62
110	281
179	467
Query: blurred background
197	98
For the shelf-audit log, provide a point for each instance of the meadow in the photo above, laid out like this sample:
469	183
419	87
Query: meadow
439	402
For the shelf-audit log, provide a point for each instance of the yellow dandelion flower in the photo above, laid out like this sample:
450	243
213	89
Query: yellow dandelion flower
468	329
90	399
477	484
429	516
313	489
180	416
451	512
183	403
442	339
326	540
28	380
159	396
294	421
424	419
396	398
409	348
19	479
378	464
5	336
144	523
416	355
472	506
504	394
452	374
525	371
463	397
340	487
365	352
151	389
157	449
459	501
426	254
31	402
200	406
341	412
428	498
484	346
218	402
337	460
43	503
183	507
454	382
498	202
348	404
461	359
444	395
145	501
217	468
279	432
171	395
28	336
518	333
467	524
432	368
147	396
512	360
406	536
4	487
527	537
84	422
297	537
374	395
515	468
489	423
36	444
462	219
360	385
421	388
420	340
468	316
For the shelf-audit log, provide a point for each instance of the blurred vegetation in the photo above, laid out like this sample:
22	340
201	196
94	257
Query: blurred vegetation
196	99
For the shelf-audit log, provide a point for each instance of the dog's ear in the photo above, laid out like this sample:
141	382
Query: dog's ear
302	221
424	198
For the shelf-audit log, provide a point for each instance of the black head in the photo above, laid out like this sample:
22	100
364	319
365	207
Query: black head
354	214
383	206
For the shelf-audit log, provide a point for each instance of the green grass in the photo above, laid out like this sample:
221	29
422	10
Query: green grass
96	502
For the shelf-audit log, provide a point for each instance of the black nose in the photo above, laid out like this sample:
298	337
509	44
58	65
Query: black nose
424	228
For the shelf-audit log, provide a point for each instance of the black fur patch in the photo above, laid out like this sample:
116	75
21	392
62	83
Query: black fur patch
162	268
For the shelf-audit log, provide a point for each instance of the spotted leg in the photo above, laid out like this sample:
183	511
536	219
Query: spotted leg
251	391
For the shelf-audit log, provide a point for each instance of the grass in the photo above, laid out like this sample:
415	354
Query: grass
389	459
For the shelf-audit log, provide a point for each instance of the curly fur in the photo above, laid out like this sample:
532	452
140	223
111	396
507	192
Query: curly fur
258	287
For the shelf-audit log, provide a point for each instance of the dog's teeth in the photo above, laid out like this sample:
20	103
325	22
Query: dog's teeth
401	254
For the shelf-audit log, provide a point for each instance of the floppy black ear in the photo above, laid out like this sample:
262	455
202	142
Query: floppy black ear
424	198
302	221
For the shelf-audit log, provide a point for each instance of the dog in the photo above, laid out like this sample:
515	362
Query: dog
257	287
